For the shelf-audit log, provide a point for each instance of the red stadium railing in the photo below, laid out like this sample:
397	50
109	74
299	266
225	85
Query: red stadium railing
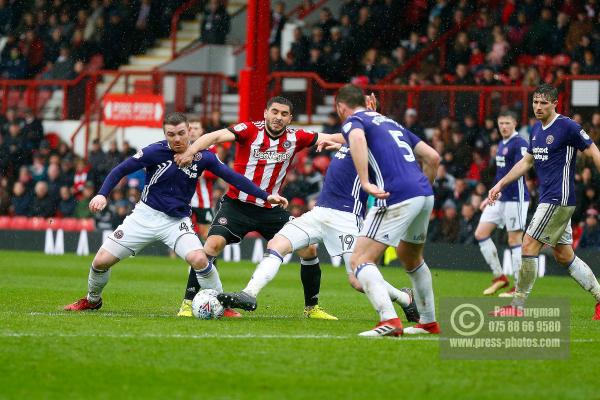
433	102
175	24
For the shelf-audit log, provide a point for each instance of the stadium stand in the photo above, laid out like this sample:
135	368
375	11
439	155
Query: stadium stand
503	44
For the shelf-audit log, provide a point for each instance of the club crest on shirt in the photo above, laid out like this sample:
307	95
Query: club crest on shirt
549	139
198	156
584	134
223	221
119	234
138	155
505	151
287	144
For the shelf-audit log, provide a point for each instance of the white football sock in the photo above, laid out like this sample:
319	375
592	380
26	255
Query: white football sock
490	254
584	275
515	255
264	272
421	280
97	280
374	286
208	278
396	295
527	275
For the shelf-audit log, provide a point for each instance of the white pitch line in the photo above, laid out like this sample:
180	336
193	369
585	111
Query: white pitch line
225	336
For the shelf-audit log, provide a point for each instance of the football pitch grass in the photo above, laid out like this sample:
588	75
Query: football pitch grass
135	346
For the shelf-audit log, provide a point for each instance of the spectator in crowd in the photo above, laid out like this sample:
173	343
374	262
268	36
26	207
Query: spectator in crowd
98	164
113	155
21	200
15	66
80	177
277	63
215	24
412	124
326	22
43	205
590	238
468	224
33	131
67	203
54	181
278	21
82	209
447	231
128	150
37	169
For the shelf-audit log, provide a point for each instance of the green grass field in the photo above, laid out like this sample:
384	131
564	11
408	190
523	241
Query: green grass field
135	347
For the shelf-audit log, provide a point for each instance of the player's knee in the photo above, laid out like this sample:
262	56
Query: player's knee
197	259
214	246
281	245
308	252
564	258
104	260
480	235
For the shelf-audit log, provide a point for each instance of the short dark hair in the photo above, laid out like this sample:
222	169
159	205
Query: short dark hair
547	91
351	95
509	114
281	100
174	118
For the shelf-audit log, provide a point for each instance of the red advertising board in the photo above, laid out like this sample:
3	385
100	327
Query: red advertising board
133	110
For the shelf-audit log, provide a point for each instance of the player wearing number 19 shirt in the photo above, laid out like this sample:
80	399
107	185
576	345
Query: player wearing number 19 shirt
385	156
335	221
163	213
264	153
553	144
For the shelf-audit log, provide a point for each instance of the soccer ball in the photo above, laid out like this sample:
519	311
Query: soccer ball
206	306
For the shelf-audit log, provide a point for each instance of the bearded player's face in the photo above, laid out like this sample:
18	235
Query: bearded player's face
277	118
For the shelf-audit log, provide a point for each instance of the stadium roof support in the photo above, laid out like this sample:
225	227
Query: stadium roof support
253	78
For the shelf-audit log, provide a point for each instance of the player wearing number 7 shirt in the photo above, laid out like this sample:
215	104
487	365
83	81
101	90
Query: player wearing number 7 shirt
163	213
385	156
264	153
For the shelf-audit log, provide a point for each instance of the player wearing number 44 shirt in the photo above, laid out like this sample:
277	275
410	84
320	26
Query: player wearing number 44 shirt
385	156
510	211
553	144
264	153
335	221
163	213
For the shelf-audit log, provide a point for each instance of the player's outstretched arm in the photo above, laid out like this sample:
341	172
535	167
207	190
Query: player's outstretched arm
515	173
125	168
330	137
240	181
593	153
430	159
360	156
203	143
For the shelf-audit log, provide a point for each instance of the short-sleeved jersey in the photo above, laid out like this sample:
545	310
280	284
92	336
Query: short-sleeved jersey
341	187
170	188
510	152
263	159
202	197
554	148
392	163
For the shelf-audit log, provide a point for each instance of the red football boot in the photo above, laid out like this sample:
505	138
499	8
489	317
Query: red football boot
231	313
596	316
497	283
429	328
83	304
390	327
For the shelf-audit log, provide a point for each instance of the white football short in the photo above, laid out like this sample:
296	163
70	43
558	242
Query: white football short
551	224
146	225
336	229
406	221
509	214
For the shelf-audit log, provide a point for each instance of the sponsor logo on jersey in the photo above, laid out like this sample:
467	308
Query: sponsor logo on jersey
118	234
223	221
240	127
584	134
270	155
138	155
540	153
549	139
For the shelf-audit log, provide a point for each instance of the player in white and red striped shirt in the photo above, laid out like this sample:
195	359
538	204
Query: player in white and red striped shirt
202	212
265	150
